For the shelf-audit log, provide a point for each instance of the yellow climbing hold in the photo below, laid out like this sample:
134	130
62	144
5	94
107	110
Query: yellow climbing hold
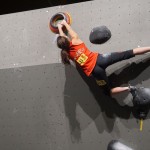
141	124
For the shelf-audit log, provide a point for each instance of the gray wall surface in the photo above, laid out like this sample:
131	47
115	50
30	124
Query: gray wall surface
45	105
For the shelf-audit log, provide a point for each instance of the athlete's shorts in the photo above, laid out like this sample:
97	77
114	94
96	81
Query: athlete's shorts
105	60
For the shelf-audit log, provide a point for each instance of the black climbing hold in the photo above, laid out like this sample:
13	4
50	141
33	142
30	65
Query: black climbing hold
141	96
100	35
141	101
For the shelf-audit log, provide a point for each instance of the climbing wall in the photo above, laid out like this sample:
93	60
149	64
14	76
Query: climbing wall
45	105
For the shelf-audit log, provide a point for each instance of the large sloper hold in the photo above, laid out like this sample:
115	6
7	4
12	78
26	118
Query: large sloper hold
99	35
141	96
141	101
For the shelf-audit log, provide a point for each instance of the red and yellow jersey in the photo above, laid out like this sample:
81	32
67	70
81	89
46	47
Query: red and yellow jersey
83	56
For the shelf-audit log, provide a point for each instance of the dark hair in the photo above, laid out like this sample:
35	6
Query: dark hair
64	44
65	57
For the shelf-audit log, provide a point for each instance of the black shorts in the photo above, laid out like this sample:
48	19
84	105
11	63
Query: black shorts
105	60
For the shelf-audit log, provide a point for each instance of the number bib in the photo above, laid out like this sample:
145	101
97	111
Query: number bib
82	59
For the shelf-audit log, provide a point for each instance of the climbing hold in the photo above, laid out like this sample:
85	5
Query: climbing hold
141	101
55	19
141	96
100	35
116	145
141	124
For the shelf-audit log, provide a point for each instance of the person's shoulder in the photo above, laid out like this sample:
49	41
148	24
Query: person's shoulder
77	41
